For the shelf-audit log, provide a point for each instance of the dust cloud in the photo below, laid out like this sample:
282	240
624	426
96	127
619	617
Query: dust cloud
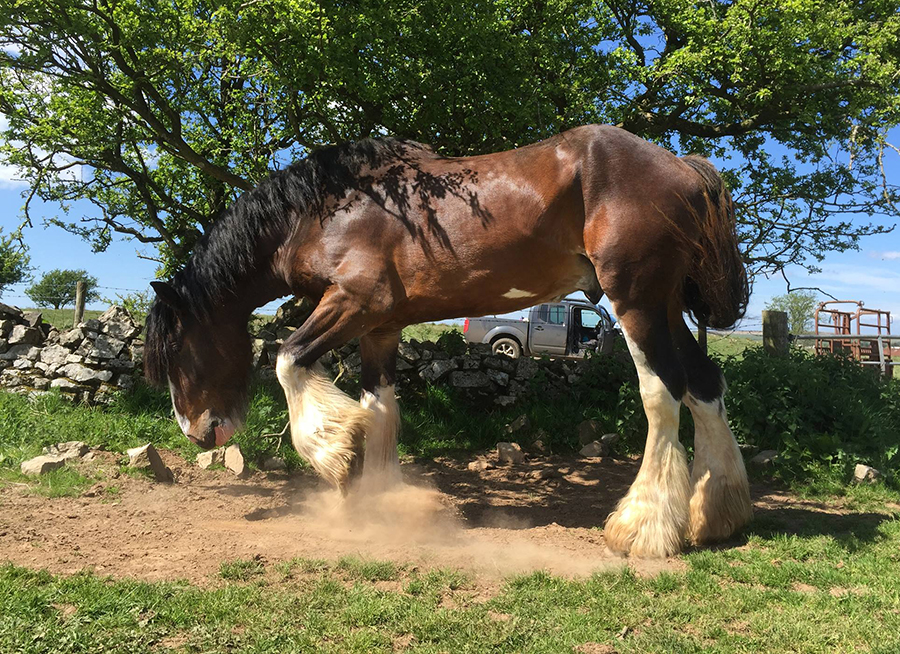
411	521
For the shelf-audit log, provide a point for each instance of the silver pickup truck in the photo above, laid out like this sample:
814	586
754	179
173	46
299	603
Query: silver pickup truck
566	329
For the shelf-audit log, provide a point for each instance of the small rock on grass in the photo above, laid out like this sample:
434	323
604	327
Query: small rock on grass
210	457
596	448
272	463
68	450
480	465
589	431
146	456
510	453
519	424
234	460
864	474
41	465
764	458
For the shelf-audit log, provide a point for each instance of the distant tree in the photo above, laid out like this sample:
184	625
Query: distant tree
799	306
14	261
57	288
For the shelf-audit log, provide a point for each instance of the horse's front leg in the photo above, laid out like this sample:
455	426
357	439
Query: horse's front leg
327	427
652	519
379	364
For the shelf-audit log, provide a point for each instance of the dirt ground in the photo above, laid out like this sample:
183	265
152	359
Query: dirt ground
542	514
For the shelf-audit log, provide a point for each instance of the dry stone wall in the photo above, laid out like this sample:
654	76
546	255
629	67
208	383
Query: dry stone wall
87	363
472	370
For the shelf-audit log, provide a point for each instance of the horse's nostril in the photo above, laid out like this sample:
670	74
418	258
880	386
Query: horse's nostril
215	422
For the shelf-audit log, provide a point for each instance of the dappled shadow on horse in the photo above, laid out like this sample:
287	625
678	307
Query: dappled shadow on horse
383	234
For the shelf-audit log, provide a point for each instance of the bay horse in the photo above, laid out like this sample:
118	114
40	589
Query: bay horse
386	233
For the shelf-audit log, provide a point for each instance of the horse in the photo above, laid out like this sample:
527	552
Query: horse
384	233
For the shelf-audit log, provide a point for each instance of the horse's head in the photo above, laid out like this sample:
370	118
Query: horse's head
206	363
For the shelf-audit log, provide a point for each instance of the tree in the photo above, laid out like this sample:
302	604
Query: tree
57	288
799	306
160	113
14	260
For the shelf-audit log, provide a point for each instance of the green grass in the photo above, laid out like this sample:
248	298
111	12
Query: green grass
731	345
818	583
428	331
62	318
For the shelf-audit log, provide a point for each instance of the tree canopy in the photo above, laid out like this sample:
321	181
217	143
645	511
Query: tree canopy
800	306
159	113
56	288
14	260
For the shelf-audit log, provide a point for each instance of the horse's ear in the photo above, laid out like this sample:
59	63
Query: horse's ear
168	295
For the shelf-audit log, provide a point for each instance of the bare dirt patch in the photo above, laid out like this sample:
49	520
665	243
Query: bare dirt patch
542	514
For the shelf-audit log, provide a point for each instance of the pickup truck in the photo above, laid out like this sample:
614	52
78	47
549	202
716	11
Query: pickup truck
566	329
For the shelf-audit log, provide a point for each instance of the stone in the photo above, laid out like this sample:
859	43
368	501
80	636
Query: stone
863	474
479	465
510	453
272	463
234	460
22	364
764	458
211	458
589	431
436	370
41	465
403	365
92	325
501	363
79	373
539	446
596	448
522	423
11	312
68	385
68	449
33	318
71	338
468	379
21	351
125	382
408	352
505	400
526	367
610	439
747	450
146	456
54	355
26	335
106	347
498	377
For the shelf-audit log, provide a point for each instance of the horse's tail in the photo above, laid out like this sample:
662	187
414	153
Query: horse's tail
716	289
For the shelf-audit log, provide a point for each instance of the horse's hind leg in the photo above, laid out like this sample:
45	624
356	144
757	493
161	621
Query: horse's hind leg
720	503
651	520
379	365
327	426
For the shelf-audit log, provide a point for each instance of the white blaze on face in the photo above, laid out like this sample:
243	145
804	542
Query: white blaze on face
183	422
515	293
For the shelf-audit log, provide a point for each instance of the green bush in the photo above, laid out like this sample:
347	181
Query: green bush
814	410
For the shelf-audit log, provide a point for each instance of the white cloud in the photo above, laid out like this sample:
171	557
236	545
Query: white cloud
844	276
11	176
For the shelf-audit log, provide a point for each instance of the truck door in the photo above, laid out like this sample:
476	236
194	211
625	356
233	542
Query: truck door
548	329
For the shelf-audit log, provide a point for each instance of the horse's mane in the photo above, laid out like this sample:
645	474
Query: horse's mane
252	229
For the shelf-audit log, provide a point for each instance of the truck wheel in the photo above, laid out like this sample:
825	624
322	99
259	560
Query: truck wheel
507	347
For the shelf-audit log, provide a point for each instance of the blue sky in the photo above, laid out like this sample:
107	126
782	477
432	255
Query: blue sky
871	275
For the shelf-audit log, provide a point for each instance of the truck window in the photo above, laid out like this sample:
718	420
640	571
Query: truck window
557	315
589	319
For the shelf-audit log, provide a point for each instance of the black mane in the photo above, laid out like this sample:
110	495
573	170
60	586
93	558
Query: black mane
249	232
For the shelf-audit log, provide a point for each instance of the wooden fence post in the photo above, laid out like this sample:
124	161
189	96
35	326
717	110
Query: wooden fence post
79	303
701	336
775	332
